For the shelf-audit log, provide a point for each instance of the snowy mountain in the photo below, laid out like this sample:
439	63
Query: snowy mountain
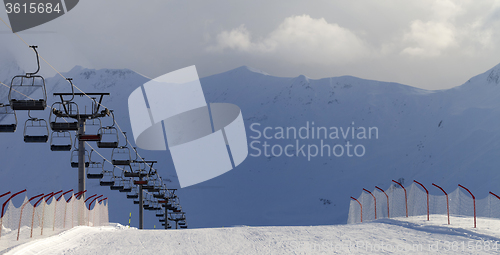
390	130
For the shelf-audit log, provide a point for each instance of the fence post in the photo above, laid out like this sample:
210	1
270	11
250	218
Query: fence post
406	199
21	215
388	215
473	199
43	211
447	202
360	206
90	204
55	208
33	217
100	216
375	201
3	207
426	191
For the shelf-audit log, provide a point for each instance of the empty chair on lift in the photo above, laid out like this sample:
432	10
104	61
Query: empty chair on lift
94	171
28	84
60	141
60	116
109	137
8	119
121	156
118	183
108	178
127	185
74	158
36	131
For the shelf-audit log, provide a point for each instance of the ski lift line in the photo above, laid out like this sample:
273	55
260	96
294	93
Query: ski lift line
73	85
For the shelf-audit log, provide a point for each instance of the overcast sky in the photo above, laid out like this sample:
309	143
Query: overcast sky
427	44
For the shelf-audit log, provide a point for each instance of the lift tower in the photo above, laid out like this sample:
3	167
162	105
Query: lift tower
81	117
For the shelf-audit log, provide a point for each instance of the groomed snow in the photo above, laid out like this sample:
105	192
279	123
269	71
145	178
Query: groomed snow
414	235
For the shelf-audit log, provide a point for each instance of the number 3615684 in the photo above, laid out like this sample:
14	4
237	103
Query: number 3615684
32	8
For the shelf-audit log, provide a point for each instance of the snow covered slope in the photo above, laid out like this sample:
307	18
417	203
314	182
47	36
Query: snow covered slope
413	235
447	137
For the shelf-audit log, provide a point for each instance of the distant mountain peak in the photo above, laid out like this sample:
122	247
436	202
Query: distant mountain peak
250	69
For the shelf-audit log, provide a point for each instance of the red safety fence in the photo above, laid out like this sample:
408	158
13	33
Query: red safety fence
415	200
47	214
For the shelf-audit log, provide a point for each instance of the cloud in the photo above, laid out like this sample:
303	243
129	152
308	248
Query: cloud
430	38
300	38
449	27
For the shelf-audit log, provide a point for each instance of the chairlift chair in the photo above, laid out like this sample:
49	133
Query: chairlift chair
108	178
137	170
36	131
127	185
118	183
74	158
121	156
109	135
22	88
59	117
134	193
8	119
94	171
60	141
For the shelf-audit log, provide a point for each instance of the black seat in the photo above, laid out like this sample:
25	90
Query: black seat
60	147
11	128
107	145
36	138
116	187
106	183
64	126
95	176
28	105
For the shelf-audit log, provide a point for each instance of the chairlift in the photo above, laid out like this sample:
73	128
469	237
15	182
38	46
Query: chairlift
127	185
23	87
137	170
120	156
118	185
59	117
60	141
74	158
36	130
108	178
94	171
8	119
134	194
109	135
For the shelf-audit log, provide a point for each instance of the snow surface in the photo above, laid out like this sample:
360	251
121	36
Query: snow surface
414	235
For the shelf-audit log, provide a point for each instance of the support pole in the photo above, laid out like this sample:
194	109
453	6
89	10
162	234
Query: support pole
447	202
388	215
81	167
406	198
141	206
474	201
360	206
374	200
426	191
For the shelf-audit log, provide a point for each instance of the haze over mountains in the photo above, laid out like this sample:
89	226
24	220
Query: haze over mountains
446	137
